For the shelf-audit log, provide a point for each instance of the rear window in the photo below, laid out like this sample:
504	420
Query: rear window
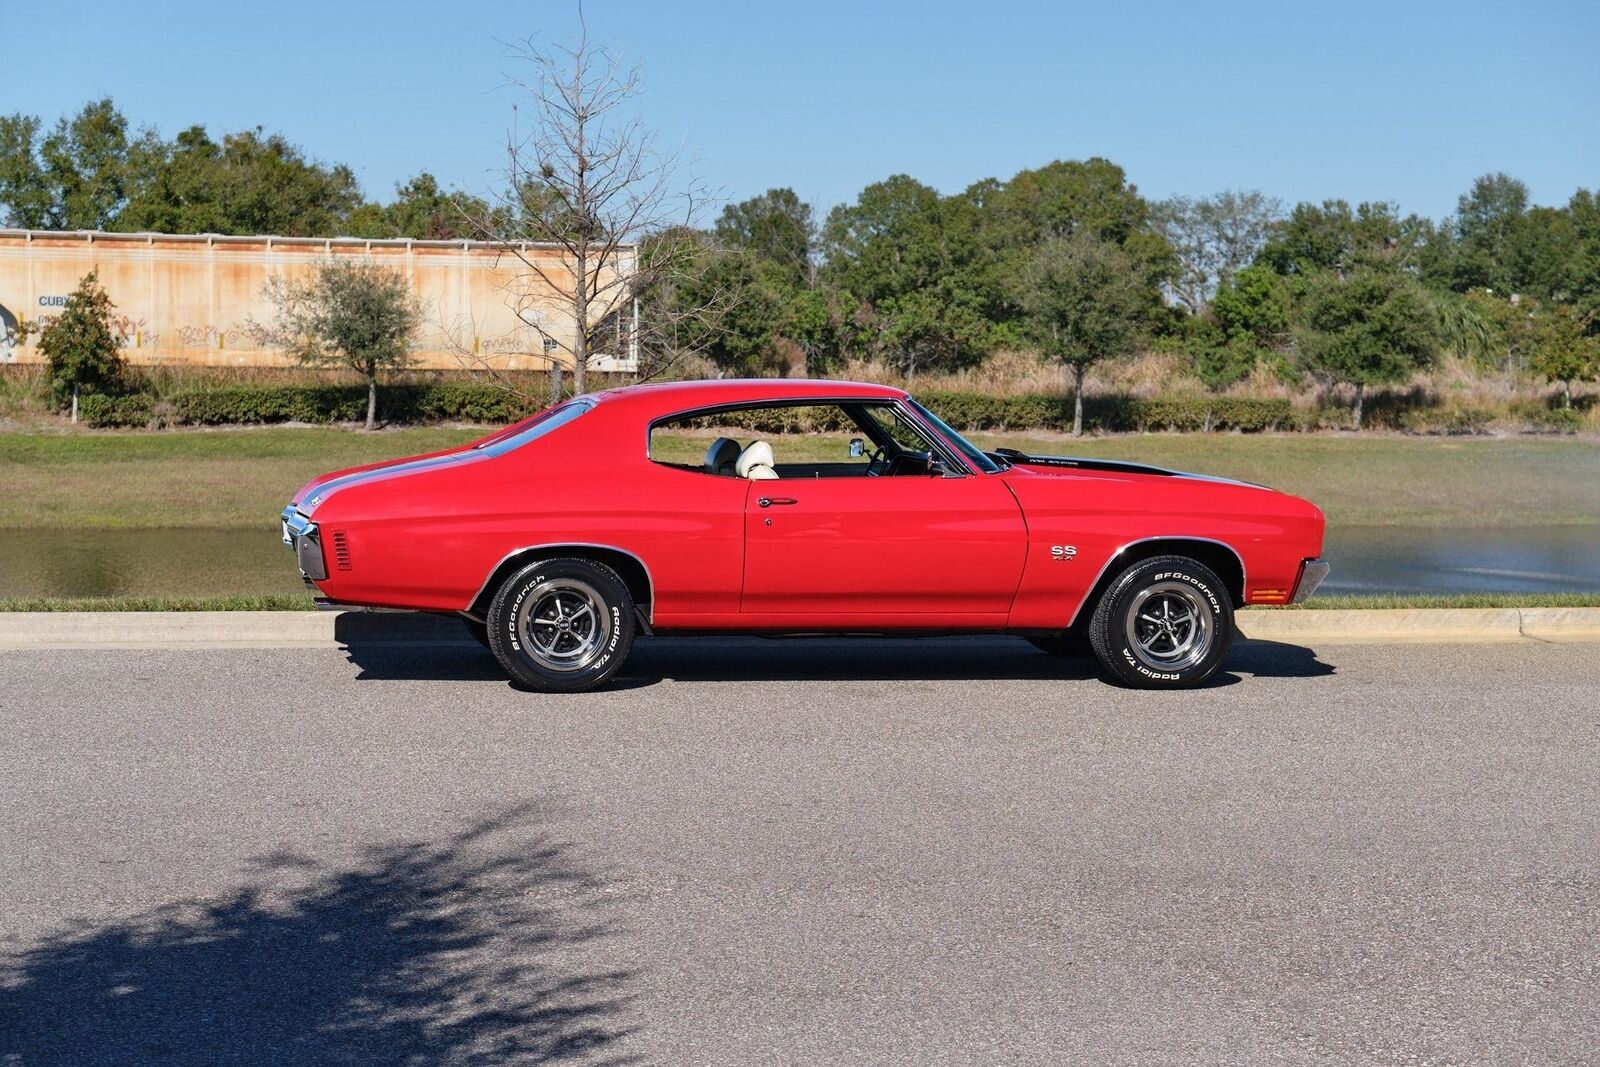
514	437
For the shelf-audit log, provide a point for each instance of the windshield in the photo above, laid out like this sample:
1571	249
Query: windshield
961	444
516	436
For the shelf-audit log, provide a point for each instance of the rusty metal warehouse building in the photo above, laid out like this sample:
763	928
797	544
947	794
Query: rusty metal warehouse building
190	299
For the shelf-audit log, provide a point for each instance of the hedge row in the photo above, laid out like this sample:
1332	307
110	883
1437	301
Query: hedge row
410	402
472	402
1112	414
404	403
136	409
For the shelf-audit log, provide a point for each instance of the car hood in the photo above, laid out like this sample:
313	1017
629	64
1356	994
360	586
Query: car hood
1082	464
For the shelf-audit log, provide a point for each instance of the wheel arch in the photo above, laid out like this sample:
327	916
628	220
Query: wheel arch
1220	556
629	567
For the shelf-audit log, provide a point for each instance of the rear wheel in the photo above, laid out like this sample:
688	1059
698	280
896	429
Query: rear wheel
562	625
1164	623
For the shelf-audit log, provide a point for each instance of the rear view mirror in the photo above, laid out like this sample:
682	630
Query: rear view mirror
858	448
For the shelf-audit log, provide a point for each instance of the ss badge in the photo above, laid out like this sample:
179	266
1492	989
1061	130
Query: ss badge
1063	552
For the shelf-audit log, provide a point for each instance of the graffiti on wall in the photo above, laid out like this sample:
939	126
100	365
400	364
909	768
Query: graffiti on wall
8	335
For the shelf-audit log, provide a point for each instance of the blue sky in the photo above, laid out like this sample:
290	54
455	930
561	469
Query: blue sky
1401	101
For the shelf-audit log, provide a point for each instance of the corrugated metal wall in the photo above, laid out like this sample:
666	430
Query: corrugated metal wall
192	300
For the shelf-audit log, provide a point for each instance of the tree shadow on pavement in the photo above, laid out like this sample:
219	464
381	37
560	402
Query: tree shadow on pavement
465	951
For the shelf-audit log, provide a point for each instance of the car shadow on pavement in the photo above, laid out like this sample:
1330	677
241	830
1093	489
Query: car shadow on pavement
463	950
1275	659
877	659
914	659
431	648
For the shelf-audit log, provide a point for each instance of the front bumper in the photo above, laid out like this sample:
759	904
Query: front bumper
301	534
1312	572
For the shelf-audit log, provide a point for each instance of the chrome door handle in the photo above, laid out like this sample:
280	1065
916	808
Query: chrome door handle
768	501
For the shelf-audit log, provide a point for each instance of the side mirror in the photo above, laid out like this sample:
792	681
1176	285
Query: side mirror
858	448
935	467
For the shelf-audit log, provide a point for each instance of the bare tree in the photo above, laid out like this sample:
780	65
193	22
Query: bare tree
588	194
1214	237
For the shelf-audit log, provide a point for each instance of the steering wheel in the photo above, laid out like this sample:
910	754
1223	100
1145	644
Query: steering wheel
908	463
876	463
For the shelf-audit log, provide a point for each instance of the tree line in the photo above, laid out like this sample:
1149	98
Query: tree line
1067	260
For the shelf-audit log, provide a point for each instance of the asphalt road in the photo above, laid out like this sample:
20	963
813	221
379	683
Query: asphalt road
803	852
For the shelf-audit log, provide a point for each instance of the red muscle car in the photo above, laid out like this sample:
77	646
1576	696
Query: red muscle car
797	507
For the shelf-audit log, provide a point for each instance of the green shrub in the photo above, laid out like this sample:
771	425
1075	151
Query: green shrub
984	411
1451	419
1250	414
134	410
1558	420
1113	413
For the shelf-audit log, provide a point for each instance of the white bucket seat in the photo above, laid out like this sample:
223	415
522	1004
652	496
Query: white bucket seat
756	462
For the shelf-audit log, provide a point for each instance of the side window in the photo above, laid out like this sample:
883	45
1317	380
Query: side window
852	440
791	441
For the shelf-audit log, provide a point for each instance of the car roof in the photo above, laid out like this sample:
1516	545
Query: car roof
662	398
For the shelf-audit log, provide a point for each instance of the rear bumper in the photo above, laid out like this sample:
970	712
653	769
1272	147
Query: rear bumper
1312	572
301	534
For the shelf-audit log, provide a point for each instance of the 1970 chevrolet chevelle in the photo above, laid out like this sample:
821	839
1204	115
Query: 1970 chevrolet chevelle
797	507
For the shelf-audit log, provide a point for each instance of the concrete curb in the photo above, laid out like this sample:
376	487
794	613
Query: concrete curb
222	629
1421	625
321	629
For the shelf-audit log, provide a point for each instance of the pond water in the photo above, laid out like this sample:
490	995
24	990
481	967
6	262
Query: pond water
74	563
1399	559
1366	560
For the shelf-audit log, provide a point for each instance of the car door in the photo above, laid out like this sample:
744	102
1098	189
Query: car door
939	550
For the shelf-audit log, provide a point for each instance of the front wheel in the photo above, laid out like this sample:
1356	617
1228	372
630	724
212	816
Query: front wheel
562	625
1164	623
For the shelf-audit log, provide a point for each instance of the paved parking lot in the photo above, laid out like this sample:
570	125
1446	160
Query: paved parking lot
758	852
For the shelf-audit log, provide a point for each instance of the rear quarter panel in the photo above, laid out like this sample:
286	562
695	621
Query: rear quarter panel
430	539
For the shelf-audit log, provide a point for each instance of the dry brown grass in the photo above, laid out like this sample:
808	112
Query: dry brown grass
1451	397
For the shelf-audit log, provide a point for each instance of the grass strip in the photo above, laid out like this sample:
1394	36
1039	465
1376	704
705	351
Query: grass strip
268	602
1452	600
240	479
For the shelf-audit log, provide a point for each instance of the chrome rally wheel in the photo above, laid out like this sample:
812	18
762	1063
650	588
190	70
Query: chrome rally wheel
1168	626
562	625
1163	623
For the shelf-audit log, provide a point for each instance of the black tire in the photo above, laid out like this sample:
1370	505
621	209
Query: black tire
1164	623
1065	645
478	630
562	625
